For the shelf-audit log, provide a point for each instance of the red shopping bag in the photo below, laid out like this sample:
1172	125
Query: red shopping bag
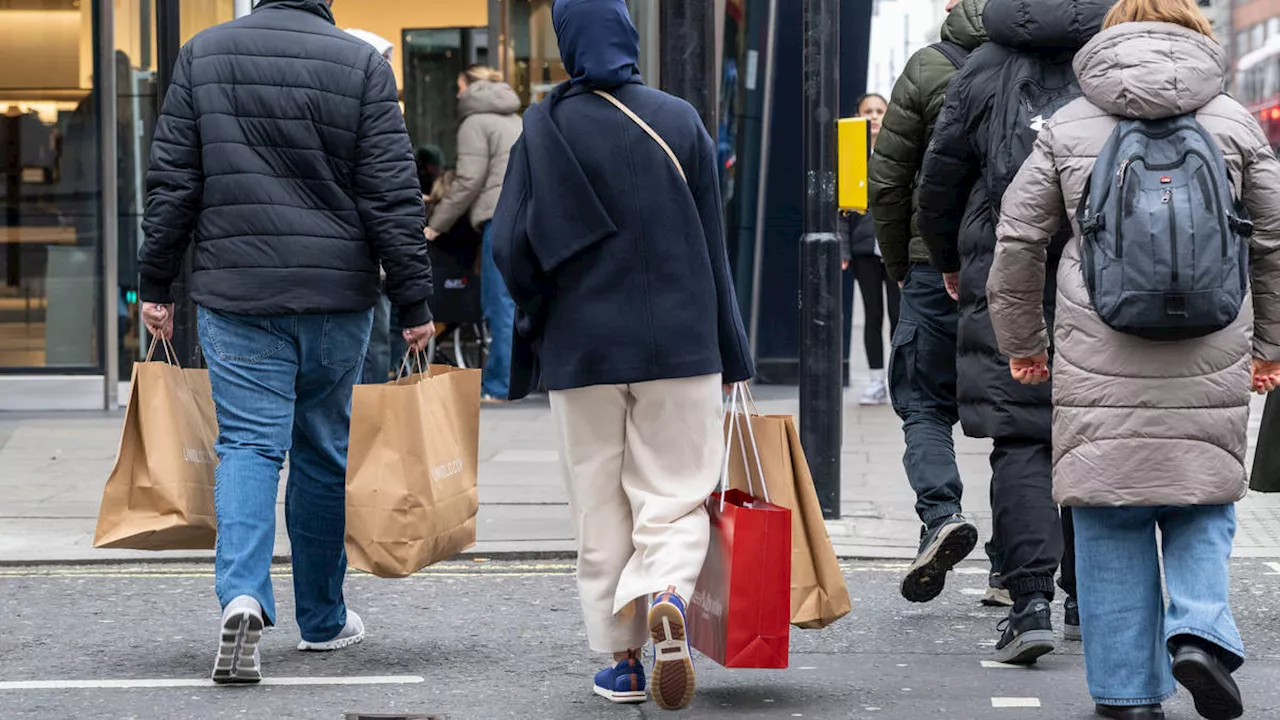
740	614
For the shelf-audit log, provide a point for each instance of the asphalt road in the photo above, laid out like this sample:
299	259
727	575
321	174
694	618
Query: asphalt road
504	640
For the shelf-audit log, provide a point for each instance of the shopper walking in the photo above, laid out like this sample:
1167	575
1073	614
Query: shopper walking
879	292
611	238
490	126
922	362
1151	399
295	190
994	109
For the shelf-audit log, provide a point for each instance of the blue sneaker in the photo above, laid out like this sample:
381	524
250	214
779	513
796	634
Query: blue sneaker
673	681
622	683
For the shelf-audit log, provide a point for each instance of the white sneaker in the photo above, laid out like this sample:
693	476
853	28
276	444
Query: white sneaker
351	634
238	661
877	393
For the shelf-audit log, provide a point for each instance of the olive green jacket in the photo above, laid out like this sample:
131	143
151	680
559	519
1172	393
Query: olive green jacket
904	137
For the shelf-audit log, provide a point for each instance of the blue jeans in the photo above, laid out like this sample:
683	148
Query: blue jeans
1126	626
922	384
500	313
282	385
377	358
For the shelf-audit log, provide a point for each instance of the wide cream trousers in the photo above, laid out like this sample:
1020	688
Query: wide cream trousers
640	461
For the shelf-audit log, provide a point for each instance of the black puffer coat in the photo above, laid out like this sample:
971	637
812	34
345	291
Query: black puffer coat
282	146
965	173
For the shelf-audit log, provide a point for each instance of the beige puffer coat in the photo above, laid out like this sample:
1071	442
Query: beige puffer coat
1138	422
490	126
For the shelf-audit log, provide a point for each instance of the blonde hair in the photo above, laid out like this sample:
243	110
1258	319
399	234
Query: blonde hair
441	188
481	73
1177	12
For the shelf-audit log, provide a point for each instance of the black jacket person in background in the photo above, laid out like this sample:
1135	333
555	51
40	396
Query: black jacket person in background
282	157
994	110
614	252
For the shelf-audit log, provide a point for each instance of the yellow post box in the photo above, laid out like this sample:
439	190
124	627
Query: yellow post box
853	151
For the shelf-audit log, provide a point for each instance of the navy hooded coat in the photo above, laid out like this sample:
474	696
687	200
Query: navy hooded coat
617	266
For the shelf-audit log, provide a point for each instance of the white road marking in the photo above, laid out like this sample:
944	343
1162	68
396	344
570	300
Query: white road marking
1275	566
993	665
1012	702
185	683
972	591
971	571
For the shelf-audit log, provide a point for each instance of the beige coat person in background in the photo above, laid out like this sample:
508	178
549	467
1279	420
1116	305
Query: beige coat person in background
1146	434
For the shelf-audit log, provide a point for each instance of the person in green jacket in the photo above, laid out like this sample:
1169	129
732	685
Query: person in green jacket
922	362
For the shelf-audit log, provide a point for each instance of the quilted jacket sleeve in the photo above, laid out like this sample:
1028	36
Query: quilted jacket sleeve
1031	214
469	180
950	168
1261	180
913	108
389	197
175	182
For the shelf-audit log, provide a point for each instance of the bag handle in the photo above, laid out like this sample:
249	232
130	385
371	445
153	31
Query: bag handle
738	409
645	127
170	352
421	364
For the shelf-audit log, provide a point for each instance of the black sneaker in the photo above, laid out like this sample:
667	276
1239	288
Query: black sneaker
1027	634
1071	620
941	549
1210	683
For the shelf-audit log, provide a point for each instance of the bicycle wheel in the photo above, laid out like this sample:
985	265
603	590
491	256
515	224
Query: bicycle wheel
470	346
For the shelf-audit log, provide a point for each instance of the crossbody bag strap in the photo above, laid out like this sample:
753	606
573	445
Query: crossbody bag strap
645	127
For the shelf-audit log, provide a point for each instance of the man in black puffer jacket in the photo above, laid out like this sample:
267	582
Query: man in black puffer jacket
282	148
994	110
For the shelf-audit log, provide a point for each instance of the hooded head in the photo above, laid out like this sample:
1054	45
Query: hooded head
1044	25
964	23
1151	70
599	44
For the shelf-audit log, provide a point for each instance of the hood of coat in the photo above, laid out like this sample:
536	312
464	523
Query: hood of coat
1151	70
315	7
1044	25
964	24
496	98
598	42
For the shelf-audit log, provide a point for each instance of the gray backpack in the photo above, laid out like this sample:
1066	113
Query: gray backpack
1165	244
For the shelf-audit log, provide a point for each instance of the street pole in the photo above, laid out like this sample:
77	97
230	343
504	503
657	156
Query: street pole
821	311
105	77
186	339
686	52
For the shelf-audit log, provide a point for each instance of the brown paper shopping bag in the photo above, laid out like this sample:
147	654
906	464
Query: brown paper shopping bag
819	595
411	471
160	492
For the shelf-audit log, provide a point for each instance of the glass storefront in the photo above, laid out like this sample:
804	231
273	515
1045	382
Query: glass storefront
53	304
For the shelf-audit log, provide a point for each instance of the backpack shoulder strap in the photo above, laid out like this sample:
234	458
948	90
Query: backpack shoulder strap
953	52
645	127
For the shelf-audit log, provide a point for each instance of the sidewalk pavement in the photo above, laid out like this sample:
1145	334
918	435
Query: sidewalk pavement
53	466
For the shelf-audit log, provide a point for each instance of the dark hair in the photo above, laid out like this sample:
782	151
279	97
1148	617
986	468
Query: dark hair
858	105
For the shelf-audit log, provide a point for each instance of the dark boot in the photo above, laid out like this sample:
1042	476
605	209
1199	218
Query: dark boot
1130	712
1198	668
941	548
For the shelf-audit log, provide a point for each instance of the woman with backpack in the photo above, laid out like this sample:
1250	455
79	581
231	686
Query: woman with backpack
490	126
1168	313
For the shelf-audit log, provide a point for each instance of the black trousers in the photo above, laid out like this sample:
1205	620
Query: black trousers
1027	521
876	287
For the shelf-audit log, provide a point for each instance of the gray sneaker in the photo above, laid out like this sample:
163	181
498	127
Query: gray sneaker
238	662
350	635
940	550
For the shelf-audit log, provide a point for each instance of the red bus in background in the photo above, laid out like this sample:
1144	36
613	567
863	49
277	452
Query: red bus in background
1257	87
